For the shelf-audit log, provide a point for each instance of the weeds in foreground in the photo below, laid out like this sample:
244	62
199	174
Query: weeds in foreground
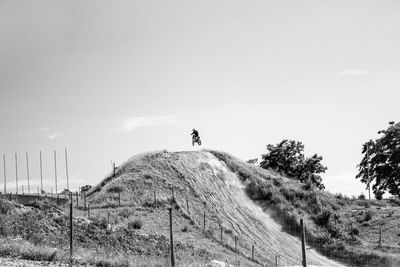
27	250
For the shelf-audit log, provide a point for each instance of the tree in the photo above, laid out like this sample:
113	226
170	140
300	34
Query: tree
381	162
288	158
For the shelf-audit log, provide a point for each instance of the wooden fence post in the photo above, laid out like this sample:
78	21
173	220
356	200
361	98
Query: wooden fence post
171	238
70	228
380	235
252	252
77	199
204	222
84	200
173	194
187	205
155	199
221	232
108	217
303	243
235	244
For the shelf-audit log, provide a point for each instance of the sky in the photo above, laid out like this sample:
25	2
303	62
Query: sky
110	79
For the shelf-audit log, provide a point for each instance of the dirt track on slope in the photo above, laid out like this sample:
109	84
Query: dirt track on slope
226	193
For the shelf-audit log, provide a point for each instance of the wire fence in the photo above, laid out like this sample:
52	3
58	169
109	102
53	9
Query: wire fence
218	225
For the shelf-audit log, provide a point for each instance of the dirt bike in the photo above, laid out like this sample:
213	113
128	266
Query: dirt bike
196	140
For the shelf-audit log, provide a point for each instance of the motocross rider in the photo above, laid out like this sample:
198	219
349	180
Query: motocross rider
195	134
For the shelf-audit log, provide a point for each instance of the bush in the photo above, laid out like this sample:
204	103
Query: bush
60	219
125	213
135	224
323	218
379	195
5	206
355	231
368	215
361	197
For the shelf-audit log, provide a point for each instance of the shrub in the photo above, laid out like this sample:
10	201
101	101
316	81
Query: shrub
308	185
355	231
368	215
323	218
60	219
5	206
379	195
289	194
277	183
37	253
228	231
361	197
125	213
115	189
135	224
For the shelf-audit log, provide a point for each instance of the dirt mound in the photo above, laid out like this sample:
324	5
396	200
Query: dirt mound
204	186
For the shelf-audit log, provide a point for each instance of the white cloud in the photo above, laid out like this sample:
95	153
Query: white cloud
133	123
50	133
352	72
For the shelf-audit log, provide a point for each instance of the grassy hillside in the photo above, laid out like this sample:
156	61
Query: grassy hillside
339	227
224	209
207	184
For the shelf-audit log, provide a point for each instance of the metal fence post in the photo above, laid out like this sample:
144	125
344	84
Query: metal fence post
221	233
235	244
204	222
187	205
5	174
171	238
70	229
303	243
155	199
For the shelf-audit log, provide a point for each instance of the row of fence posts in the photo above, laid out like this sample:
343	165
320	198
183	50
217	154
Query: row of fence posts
277	257
41	171
87	207
304	262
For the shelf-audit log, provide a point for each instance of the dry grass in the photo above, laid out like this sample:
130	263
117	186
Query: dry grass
328	216
26	250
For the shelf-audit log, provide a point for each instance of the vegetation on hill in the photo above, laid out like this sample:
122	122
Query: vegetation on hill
381	162
288	158
339	227
128	224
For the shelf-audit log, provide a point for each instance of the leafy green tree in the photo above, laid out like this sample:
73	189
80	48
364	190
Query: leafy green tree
288	158
381	162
